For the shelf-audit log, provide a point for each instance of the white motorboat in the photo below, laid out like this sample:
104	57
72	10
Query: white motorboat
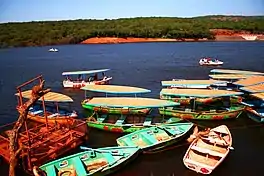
210	62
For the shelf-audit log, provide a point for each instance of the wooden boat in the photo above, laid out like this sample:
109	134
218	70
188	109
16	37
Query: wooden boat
187	99
207	152
193	84
156	137
220	110
101	161
250	81
92	103
228	77
81	80
52	111
125	123
230	71
207	61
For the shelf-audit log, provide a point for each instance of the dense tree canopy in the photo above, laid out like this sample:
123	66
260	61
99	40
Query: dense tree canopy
75	31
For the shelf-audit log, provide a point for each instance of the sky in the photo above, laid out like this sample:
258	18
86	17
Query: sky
47	10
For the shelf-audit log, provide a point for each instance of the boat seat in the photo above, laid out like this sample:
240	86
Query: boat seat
172	131
215	140
128	142
121	120
79	166
198	164
37	112
51	170
147	121
207	151
101	118
149	138
53	115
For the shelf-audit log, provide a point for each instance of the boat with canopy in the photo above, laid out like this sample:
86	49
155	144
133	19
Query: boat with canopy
83	80
124	122
208	151
51	110
186	99
223	109
101	161
193	84
109	90
254	101
156	137
230	71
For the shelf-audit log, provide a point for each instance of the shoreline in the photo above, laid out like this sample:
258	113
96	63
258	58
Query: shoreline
218	38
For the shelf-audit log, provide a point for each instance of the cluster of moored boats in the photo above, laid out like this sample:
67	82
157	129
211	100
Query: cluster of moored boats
225	95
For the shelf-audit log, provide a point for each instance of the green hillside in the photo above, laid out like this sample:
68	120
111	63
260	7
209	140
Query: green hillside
75	31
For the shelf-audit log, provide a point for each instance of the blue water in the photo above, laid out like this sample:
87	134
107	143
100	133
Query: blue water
143	65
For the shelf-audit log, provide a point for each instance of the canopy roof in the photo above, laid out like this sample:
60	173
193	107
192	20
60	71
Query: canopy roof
228	76
254	89
242	72
50	96
84	72
199	92
115	89
252	80
258	95
190	82
130	102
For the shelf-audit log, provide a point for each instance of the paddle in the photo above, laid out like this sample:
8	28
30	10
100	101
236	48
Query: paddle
101	151
226	143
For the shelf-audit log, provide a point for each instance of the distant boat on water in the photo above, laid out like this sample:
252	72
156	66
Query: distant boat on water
249	37
53	50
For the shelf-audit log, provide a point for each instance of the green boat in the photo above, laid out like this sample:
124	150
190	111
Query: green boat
89	103
218	111
127	123
155	138
102	161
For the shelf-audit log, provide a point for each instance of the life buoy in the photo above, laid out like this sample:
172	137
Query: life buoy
91	119
67	171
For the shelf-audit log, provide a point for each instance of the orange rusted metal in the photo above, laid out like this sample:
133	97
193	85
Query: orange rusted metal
42	142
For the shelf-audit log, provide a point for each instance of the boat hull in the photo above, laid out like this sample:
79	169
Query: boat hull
254	115
157	141
78	85
108	110
204	161
234	112
82	160
187	101
126	128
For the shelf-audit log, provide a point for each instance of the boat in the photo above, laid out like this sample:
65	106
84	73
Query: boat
53	50
52	111
187	99
193	84
254	101
249	37
156	137
206	61
41	142
81	79
250	81
228	77
219	110
90	102
101	161
207	152
123	123
231	71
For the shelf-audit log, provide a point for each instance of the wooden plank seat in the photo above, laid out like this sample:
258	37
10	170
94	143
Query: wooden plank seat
198	164
121	120
147	121
207	151
101	118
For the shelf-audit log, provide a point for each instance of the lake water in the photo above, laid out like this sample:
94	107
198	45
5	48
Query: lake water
143	65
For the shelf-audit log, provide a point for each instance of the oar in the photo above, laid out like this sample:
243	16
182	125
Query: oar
98	150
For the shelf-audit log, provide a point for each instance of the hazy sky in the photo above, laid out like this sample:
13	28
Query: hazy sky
36	10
